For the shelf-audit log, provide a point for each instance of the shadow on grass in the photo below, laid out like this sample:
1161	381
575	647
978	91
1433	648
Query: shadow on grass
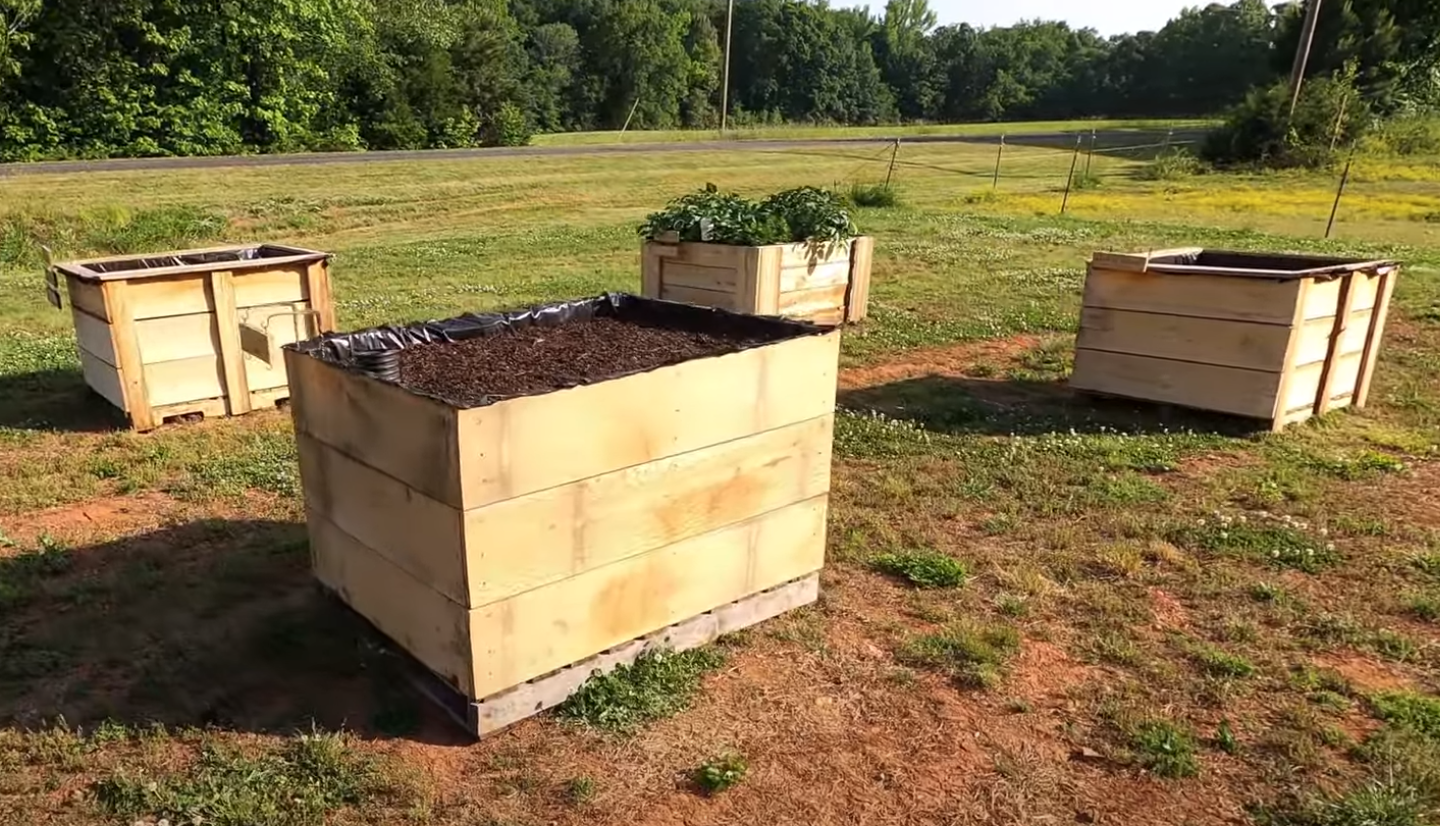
960	405
214	623
55	400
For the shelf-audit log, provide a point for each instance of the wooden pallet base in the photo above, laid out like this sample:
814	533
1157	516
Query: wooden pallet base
210	408
490	715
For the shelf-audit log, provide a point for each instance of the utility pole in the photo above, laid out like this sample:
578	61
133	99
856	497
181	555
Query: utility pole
1302	54
725	78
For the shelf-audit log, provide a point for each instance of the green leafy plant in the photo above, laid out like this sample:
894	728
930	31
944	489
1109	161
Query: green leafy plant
972	654
803	214
655	686
1225	738
720	773
926	569
1165	748
873	195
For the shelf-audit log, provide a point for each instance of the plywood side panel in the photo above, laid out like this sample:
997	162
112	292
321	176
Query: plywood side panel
544	537
807	277
186	294
86	296
793	256
1304	385
409	437
1187	338
410	529
529	444
94	336
1323	297
683	274
824	306
120	311
1204	296
1315	338
103	378
541	630
173	338
704	298
186	380
432	628
1209	387
711	255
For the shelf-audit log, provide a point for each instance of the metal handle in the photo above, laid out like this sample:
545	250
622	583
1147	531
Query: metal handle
265	325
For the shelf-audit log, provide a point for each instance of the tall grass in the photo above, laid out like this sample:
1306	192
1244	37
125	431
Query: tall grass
104	231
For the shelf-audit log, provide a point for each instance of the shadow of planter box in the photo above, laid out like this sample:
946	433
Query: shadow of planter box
193	331
1274	337
501	545
827	283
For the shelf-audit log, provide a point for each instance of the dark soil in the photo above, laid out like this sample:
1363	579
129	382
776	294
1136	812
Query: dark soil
537	360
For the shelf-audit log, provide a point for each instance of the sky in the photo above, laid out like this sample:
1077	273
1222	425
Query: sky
1107	16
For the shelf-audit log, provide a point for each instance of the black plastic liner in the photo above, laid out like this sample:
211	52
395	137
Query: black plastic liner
152	262
1282	265
353	350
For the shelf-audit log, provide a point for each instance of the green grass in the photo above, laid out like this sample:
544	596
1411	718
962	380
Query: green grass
657	685
1218	663
1166	749
873	195
973	654
922	568
313	776
1414	713
721	773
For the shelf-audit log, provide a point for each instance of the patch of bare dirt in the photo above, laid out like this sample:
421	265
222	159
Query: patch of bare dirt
1364	672
1170	614
84	521
966	359
1046	676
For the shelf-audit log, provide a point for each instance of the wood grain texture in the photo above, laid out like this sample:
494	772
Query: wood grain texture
86	296
434	629
833	272
1202	296
186	294
822	306
408	437
227	333
118	310
1204	386
317	295
94	336
547	536
416	533
1187	338
1305	387
1324	297
184	380
525	636
765	295
529	444
704	298
1375	333
1328	367
862	258
103	378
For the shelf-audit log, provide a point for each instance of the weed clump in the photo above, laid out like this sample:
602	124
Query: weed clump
873	195
657	685
721	773
973	654
1167	749
924	568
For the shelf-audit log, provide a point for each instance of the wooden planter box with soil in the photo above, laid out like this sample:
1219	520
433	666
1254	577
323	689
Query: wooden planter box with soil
1273	337
824	282
193	331
532	496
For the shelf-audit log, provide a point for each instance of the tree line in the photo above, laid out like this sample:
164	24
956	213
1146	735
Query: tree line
92	78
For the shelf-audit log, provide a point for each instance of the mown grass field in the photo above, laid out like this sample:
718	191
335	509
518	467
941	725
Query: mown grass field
1040	608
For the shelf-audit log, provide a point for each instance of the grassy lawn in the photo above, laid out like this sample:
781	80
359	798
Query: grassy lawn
1040	608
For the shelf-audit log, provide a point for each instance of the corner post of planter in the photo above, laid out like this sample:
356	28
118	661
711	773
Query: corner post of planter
317	289
1297	331
857	292
227	334
1383	292
761	290
127	355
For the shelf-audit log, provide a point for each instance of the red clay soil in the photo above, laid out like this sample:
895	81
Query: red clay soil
537	360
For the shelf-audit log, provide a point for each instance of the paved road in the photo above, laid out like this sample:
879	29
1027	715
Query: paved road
1108	138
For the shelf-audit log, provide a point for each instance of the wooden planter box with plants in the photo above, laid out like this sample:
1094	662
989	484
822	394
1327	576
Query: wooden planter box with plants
795	254
521	500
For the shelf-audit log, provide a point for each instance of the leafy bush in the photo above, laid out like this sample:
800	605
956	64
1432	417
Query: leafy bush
873	195
717	775
794	215
1414	135
1171	165
926	569
507	126
1331	114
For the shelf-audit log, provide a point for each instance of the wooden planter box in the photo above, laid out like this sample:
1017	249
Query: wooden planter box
194	331
1273	337
511	548
823	283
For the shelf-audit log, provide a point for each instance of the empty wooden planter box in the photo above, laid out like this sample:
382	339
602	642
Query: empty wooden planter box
194	331
827	283
1273	337
515	548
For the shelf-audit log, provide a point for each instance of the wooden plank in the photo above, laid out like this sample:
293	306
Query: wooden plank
173	338
318	295
214	408
1278	419
704	298
1314	337
1375	333
1306	388
1187	338
554	534
494	713
86	296
857	300
1204	296
541	630
810	277
227	333
1204	386
186	294
415	532
185	380
805	254
1138	261
120	313
406	436
826	302
528	444
94	336
1332	353
766	283
682	274
711	255
432	628
103	378
1325	296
